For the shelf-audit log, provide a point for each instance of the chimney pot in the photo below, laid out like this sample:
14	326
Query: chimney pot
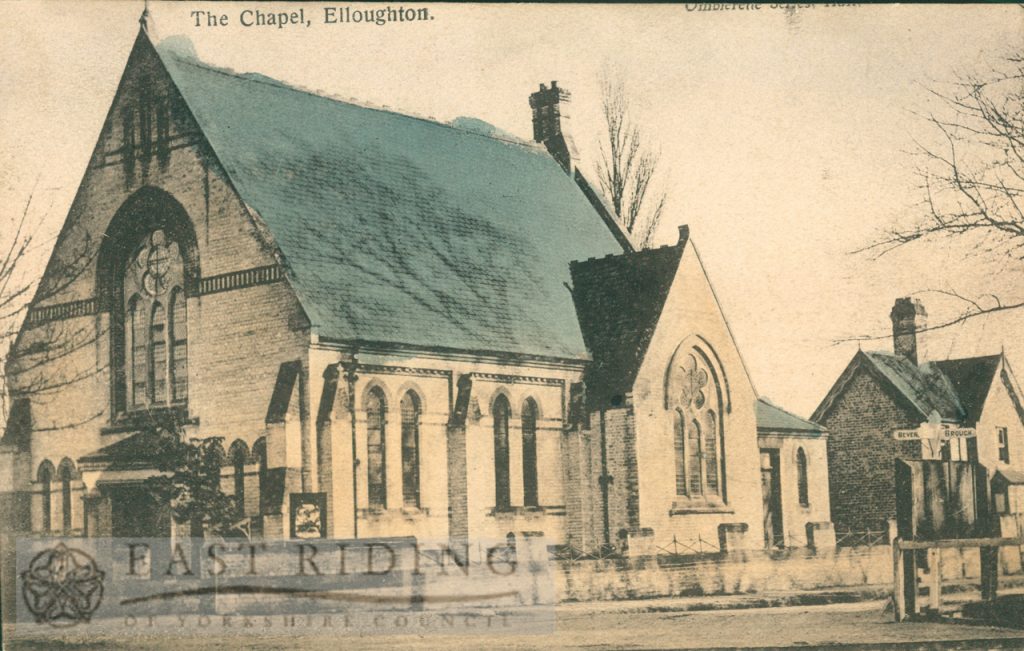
908	319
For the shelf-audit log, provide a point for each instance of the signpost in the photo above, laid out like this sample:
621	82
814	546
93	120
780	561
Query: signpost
935	432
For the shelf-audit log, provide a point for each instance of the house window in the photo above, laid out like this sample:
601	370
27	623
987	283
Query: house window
155	324
1004	444
376	421
696	402
529	427
45	479
502	491
801	477
411	450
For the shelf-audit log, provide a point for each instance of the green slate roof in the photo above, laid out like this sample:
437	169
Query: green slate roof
772	418
397	229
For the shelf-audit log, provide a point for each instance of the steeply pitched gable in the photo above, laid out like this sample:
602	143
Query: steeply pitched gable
954	388
400	230
619	299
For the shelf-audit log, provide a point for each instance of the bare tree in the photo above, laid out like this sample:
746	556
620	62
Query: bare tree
628	164
37	355
972	179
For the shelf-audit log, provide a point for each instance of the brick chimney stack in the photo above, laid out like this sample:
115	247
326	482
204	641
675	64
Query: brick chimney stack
908	319
547	105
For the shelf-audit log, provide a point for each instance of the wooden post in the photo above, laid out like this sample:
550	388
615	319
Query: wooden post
989	573
935	579
898	592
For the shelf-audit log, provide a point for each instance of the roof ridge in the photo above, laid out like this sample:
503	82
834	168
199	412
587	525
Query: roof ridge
267	80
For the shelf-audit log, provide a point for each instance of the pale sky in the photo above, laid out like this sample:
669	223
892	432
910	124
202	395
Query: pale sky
786	135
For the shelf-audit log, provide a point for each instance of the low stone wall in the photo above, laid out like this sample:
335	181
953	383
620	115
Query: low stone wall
750	572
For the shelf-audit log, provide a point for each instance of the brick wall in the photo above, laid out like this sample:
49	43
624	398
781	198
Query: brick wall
861	454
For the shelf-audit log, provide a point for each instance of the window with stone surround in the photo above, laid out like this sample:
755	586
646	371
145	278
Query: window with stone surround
376	470
529	429
695	401
155	337
502	488
801	478
411	449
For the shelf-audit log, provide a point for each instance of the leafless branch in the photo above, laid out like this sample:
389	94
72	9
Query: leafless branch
628	166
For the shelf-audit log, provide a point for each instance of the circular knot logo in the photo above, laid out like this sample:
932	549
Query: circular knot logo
62	586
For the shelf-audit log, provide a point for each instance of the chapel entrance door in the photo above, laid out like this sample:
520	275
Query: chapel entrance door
771	491
136	514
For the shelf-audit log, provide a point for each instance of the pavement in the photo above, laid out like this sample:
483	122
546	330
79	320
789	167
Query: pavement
725	622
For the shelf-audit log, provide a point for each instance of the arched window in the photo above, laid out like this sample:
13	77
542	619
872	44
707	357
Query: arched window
45	479
178	332
65	474
239	456
502	492
695	398
376	471
529	426
158	354
155	324
679	431
135	326
801	477
259	455
411	450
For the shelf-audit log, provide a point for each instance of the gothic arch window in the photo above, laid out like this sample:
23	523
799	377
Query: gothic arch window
411	449
45	480
239	456
65	474
502	489
376	470
259	456
801	477
178	338
695	400
155	324
529	428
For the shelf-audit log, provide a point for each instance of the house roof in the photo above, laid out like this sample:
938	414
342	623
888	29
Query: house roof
955	388
772	418
1009	476
397	229
971	379
619	299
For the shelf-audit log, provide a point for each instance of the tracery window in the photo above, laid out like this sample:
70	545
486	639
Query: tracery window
156	324
696	403
410	450
376	471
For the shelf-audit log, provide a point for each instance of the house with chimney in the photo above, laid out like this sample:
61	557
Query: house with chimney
880	393
402	326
